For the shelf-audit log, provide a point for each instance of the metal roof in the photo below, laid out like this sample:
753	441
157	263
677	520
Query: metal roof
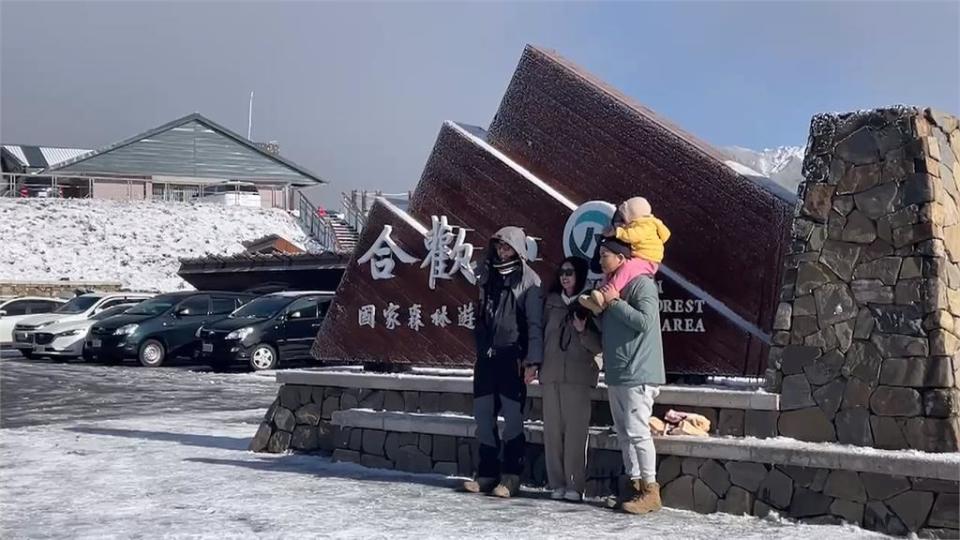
192	146
42	156
272	261
292	294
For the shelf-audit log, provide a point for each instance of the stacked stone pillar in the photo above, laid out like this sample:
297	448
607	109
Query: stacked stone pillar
865	344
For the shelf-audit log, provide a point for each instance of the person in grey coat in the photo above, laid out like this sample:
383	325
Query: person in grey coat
509	340
633	370
571	368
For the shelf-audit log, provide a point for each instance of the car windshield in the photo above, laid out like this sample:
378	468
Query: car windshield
78	304
110	312
154	306
261	308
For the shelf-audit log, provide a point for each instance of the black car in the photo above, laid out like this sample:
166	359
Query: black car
273	328
163	327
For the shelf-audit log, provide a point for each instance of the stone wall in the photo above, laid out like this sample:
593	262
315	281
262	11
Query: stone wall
302	419
299	417
892	504
53	289
887	503
865	344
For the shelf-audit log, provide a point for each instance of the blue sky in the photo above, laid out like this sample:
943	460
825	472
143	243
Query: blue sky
357	91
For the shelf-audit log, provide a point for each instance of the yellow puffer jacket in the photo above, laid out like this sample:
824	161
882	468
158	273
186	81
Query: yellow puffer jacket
646	236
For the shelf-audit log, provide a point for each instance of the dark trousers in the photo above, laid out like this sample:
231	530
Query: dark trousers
498	389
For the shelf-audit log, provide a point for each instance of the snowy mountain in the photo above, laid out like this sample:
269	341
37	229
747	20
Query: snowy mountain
783	164
138	244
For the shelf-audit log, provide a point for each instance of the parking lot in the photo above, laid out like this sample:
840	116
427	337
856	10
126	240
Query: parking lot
36	392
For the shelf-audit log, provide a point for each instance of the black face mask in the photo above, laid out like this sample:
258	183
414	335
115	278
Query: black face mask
496	253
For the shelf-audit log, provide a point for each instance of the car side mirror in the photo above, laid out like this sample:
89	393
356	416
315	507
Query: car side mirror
3	313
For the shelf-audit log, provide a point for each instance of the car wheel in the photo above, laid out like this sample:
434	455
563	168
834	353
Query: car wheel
28	355
152	353
263	357
87	356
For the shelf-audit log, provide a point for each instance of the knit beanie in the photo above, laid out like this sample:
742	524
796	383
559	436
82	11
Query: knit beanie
635	208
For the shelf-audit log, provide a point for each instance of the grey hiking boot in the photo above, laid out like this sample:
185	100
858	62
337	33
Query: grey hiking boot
508	487
480	485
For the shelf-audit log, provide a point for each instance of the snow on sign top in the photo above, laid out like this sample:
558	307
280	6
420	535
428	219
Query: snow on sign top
742	169
471	134
407	218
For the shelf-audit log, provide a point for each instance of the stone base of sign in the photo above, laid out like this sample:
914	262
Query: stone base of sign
422	424
308	399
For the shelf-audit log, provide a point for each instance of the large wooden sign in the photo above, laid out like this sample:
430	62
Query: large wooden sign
560	142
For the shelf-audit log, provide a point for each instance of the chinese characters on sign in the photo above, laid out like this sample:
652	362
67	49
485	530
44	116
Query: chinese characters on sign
448	253
446	260
367	316
381	254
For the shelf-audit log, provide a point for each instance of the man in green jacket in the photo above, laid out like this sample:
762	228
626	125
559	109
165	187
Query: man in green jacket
633	366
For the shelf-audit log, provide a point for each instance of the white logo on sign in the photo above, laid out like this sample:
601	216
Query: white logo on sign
579	234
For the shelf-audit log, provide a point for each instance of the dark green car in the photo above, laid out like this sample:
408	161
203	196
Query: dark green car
160	328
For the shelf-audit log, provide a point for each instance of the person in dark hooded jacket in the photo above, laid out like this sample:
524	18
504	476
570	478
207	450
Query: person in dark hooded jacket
509	340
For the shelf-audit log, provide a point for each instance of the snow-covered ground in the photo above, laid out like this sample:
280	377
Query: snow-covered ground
91	451
135	243
190	474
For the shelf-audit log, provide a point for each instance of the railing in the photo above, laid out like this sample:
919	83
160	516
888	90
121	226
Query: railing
319	225
357	204
129	189
355	209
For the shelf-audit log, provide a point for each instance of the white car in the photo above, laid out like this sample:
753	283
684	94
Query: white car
231	193
64	340
77	309
13	310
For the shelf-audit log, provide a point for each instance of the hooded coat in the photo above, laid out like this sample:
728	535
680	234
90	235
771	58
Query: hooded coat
514	322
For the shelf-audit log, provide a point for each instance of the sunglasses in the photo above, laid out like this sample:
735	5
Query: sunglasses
568	272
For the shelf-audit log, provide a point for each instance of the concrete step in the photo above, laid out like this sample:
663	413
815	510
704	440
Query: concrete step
672	395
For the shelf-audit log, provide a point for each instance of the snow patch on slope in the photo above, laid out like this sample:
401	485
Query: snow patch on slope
783	165
136	243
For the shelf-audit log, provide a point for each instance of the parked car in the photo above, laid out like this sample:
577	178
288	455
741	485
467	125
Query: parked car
79	308
163	327
40	187
64	340
231	193
13	310
274	328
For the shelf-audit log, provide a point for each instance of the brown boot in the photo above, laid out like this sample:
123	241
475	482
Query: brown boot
480	485
647	499
508	487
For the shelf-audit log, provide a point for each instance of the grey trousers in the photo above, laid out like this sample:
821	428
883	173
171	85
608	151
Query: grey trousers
566	419
631	407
